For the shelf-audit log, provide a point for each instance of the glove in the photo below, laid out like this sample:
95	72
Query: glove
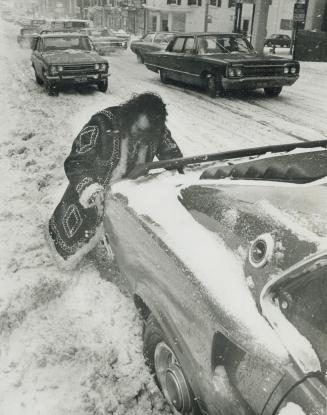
92	195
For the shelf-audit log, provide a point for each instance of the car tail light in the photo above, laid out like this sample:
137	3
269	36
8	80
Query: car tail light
238	71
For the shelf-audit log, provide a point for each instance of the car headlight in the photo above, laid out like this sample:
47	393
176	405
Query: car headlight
96	66
286	69
293	69
238	72
103	67
231	72
52	69
60	68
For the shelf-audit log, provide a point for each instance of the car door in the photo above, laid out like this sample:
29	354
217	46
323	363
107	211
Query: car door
173	60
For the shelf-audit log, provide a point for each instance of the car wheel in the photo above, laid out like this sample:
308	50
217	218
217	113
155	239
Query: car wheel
273	92
168	372
139	58
163	76
52	89
211	86
38	80
103	85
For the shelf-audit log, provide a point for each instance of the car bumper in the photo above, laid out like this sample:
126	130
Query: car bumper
77	79
258	82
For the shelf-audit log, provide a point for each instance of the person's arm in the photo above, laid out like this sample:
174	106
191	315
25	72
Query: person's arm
168	148
80	164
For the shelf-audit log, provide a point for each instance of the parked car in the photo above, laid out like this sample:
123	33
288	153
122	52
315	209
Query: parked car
59	59
220	62
150	42
28	36
103	42
282	41
227	266
119	33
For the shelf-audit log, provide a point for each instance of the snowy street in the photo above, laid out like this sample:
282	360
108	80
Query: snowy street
70	342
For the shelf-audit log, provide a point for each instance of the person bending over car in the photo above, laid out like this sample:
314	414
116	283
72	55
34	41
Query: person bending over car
109	146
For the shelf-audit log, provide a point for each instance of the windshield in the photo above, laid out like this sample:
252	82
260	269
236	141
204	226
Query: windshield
223	44
63	43
303	302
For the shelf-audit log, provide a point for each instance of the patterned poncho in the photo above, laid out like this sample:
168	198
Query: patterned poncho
100	154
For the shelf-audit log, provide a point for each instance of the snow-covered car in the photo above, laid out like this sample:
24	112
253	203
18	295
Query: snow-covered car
220	62
227	265
27	36
150	42
59	59
103	42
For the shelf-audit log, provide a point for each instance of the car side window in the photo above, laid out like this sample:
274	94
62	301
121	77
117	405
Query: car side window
178	45
189	45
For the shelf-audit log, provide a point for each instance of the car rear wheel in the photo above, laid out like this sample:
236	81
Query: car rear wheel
139	57
168	372
163	76
103	85
273	92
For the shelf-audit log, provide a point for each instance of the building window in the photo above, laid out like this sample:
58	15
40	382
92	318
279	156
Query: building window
194	2
215	3
231	3
286	24
178	2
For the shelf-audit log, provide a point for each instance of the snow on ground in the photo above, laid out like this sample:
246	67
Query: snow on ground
70	342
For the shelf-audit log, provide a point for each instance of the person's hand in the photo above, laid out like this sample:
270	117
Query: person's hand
92	196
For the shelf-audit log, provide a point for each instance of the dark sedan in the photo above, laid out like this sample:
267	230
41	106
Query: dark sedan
221	62
227	265
282	41
151	42
59	59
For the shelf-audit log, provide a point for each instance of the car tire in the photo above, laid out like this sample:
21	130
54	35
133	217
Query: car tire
139	57
52	89
103	86
273	92
212	86
38	80
163	76
163	363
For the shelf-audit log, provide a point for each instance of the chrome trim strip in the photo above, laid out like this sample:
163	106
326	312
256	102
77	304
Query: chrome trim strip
173	70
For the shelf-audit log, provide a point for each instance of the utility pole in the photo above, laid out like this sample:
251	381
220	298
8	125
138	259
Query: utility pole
260	24
206	13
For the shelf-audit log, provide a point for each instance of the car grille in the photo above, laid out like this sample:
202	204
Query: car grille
263	70
79	68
